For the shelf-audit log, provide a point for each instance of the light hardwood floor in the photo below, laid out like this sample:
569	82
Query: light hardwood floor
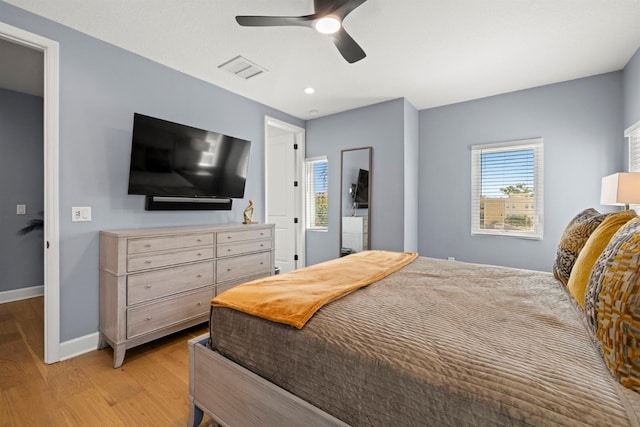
150	389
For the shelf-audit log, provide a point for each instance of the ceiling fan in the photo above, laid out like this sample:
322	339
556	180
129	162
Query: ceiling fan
327	19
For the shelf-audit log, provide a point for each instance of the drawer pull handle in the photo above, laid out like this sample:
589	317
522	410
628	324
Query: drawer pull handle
228	249
228	269
261	245
261	262
149	318
147	262
147	286
228	237
262	234
199	275
147	245
199	303
199	240
199	254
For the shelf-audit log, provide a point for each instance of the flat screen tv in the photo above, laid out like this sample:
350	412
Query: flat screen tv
174	160
361	197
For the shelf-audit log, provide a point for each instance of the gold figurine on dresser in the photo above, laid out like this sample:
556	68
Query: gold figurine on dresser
154	282
247	215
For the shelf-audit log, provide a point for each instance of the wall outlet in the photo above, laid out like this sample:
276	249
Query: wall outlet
451	258
81	213
21	210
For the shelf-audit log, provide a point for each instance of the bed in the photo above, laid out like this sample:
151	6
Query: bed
435	343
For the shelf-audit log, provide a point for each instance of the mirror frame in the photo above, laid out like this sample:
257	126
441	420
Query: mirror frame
342	153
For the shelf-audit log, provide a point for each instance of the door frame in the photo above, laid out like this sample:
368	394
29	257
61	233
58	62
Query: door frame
299	138
51	249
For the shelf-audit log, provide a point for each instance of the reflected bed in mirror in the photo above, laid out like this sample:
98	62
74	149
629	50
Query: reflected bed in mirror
355	200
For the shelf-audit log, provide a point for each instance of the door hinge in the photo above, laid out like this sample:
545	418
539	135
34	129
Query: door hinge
295	146
295	220
295	183
295	257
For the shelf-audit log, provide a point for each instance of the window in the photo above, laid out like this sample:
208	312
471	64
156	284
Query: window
633	133
317	193
503	175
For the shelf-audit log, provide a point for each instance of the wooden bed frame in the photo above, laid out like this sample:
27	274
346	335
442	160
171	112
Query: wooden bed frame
234	396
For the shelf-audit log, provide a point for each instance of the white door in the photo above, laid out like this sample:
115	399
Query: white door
283	196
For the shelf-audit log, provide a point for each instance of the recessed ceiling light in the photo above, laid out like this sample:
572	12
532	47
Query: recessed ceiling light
309	90
328	25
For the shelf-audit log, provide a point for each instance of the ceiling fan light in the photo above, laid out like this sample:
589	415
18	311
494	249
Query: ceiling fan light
328	25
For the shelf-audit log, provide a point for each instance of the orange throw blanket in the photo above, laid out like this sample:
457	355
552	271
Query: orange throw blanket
294	297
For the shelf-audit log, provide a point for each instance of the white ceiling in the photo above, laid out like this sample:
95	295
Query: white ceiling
431	52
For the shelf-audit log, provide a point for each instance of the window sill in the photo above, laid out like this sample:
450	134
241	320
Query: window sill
508	234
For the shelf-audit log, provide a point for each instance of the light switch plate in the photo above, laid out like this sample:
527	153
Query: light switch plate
21	210
81	213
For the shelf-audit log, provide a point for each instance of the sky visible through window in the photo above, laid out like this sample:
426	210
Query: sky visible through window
504	168
321	177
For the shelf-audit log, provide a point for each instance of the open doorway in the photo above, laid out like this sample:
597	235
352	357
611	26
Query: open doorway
22	172
46	52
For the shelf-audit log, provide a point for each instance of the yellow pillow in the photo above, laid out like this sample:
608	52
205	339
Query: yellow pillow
589	254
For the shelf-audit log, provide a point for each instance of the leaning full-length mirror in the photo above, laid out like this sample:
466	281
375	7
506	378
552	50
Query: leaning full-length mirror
355	200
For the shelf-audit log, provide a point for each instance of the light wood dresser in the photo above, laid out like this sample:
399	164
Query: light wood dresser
154	282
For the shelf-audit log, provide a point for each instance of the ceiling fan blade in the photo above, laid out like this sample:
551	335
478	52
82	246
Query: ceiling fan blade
325	7
347	46
275	21
345	7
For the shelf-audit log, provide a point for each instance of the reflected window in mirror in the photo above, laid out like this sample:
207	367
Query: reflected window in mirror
317	193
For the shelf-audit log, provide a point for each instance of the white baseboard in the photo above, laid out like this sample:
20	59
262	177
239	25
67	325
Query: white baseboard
78	346
20	294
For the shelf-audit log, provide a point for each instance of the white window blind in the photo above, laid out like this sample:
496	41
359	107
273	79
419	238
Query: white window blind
317	193
633	134
507	189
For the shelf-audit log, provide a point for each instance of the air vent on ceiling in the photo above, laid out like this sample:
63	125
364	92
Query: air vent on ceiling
242	67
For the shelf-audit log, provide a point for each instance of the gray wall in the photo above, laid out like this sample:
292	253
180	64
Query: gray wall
631	87
581	123
411	176
22	182
380	126
101	86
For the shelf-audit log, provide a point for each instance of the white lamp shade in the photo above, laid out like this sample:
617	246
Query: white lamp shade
620	189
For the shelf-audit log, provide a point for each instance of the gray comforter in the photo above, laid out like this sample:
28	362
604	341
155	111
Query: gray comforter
439	343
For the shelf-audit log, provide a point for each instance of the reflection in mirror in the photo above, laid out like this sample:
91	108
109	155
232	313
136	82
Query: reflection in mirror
355	195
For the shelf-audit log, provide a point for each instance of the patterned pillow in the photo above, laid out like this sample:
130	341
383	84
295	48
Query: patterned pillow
572	241
597	242
613	303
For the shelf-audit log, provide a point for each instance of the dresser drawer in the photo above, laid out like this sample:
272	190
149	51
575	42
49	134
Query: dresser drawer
242	235
146	261
150	317
244	247
243	266
160	283
151	244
